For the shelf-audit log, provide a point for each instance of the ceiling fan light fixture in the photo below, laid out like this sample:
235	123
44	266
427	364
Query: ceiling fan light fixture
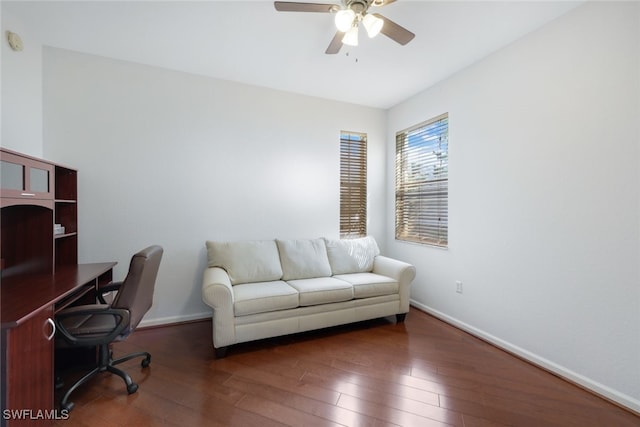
372	24
344	19
351	37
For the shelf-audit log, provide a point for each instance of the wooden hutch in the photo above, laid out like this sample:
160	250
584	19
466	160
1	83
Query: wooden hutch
39	275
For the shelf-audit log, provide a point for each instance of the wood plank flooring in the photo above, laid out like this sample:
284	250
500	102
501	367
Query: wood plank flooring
422	372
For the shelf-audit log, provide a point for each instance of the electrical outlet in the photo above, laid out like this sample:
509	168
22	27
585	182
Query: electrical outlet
458	286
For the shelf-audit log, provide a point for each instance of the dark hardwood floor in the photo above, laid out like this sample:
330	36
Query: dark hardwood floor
420	373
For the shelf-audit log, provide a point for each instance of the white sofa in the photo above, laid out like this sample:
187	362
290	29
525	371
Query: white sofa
265	288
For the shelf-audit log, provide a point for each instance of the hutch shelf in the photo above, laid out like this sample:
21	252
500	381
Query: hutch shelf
36	195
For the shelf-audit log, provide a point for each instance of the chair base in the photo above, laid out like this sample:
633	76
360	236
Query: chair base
106	363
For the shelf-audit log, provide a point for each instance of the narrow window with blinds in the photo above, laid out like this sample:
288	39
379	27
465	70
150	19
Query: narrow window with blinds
353	184
422	182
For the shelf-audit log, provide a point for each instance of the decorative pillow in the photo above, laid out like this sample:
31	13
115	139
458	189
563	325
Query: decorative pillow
246	261
303	259
352	255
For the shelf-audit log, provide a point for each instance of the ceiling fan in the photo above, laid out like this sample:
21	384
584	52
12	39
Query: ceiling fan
348	17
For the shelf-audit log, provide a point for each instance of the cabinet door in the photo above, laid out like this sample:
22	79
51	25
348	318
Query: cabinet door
30	365
25	178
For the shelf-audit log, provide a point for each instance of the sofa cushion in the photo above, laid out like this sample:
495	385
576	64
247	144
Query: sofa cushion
352	255
322	290
252	298
303	259
246	261
366	285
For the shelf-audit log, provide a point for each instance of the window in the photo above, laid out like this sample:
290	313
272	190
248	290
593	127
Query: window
353	184
422	182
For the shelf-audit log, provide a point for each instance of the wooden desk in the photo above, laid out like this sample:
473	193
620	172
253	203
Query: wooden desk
29	303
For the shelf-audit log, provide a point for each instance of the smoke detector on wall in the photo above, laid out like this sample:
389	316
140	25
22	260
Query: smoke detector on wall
15	42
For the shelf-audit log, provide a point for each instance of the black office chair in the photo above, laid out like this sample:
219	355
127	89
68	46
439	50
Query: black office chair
101	324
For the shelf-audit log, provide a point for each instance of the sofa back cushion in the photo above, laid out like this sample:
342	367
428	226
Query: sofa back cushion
352	255
303	259
246	261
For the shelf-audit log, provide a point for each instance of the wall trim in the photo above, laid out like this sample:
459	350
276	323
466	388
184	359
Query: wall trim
623	400
166	321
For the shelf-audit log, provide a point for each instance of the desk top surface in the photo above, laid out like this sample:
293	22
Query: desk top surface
23	296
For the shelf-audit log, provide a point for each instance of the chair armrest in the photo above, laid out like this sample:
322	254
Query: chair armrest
120	315
111	287
217	293
401	271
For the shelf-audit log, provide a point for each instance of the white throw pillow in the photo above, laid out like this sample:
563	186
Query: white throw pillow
352	255
246	261
303	259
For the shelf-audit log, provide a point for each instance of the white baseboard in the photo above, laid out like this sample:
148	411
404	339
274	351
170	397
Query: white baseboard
569	375
174	319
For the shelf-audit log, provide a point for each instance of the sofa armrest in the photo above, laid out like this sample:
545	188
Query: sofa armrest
216	288
217	293
401	271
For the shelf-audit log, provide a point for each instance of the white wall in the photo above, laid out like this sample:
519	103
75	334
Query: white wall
544	198
21	115
177	159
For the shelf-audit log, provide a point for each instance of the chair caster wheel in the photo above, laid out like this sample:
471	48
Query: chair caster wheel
132	388
67	407
145	362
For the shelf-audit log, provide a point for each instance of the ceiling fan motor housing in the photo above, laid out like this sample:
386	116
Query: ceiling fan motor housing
358	6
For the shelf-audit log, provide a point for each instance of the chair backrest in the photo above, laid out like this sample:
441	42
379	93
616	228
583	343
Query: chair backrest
136	292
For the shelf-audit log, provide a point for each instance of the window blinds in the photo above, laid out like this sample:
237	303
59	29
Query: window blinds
353	184
422	182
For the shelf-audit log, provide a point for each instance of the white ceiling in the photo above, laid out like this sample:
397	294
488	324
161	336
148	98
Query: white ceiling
249	42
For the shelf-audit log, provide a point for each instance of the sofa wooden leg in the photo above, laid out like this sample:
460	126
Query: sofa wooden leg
400	317
221	352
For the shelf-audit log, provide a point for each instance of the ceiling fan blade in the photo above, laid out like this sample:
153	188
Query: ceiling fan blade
289	6
395	31
336	44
